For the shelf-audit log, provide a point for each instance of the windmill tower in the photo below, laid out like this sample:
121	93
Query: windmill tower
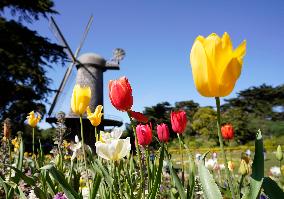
90	68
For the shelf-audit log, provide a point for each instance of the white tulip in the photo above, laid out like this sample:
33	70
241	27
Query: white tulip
113	149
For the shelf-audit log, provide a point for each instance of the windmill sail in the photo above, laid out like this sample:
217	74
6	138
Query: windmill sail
73	57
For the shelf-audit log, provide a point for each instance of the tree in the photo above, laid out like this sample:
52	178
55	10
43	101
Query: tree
265	102
204	122
25	56
241	122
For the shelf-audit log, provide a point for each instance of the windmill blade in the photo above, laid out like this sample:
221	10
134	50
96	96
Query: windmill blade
84	35
74	59
59	36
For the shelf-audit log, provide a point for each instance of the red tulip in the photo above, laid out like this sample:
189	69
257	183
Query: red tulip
144	134
178	121
138	116
163	132
227	132
120	94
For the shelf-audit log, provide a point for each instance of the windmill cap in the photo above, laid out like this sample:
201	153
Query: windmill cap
92	59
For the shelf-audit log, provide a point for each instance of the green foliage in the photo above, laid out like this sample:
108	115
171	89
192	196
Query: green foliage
25	55
204	122
260	101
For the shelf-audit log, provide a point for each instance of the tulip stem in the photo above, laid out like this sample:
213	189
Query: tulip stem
10	157
148	169
84	152
229	179
240	185
33	141
139	156
180	151
96	134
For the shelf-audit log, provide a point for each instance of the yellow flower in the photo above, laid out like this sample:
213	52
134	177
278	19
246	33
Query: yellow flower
33	119
80	99
96	117
245	167
216	66
66	144
26	154
231	166
16	144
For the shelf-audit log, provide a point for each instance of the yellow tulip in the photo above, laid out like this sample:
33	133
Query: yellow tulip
33	119
81	98
216	66
96	117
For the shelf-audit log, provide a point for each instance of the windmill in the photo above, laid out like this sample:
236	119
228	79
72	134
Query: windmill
90	68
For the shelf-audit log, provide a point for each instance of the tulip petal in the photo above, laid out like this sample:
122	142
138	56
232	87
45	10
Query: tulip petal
229	77
102	150
240	51
199	63
116	133
226	42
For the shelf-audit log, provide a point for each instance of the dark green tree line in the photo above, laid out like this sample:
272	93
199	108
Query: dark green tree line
25	57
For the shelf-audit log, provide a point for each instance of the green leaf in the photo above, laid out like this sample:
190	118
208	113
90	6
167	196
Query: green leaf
50	184
59	177
96	185
258	161
157	181
19	174
271	189
209	186
39	193
20	155
104	172
257	168
191	171
21	193
254	190
176	179
6	188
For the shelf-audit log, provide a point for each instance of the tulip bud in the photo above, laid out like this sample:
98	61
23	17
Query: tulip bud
227	132
244	168
120	94
231	166
163	132
7	129
80	99
144	134
178	121
279	153
282	170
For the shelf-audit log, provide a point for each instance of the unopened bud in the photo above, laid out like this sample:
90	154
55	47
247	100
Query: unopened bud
279	154
244	168
7	128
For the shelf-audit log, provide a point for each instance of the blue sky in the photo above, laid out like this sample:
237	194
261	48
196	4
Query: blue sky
157	37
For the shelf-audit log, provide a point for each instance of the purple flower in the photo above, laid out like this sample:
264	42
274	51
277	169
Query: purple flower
60	195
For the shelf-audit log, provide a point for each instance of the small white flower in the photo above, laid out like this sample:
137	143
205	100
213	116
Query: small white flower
221	166
76	148
275	171
76	139
32	195
85	192
198	156
210	163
